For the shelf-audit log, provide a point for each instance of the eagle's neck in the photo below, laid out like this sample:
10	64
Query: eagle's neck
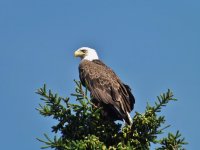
91	57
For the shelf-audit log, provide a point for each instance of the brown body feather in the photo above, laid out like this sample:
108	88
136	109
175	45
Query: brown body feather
107	90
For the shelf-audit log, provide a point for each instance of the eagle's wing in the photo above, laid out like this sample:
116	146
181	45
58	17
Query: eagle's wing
127	88
105	86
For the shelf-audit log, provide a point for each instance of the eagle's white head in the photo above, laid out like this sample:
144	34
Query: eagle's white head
86	53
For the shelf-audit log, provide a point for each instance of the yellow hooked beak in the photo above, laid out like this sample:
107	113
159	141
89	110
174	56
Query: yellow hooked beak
79	53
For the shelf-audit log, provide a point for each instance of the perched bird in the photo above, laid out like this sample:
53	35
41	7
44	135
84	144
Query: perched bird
106	89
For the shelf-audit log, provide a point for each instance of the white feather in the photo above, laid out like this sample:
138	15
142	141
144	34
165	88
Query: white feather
129	117
91	54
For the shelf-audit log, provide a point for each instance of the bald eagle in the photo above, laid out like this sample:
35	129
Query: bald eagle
106	89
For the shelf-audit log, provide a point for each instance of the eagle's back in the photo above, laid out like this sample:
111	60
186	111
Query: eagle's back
106	87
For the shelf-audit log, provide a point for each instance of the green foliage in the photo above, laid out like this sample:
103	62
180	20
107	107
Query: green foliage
81	125
172	142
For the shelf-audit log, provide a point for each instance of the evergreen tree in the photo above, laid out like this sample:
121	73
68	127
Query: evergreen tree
81	125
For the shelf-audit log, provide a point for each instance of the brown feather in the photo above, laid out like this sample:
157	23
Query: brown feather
106	87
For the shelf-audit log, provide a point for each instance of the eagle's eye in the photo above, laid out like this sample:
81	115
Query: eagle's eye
83	50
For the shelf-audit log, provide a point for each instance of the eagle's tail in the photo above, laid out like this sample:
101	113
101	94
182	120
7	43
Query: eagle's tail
128	120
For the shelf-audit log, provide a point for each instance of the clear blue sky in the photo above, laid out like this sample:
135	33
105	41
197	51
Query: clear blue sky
151	45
